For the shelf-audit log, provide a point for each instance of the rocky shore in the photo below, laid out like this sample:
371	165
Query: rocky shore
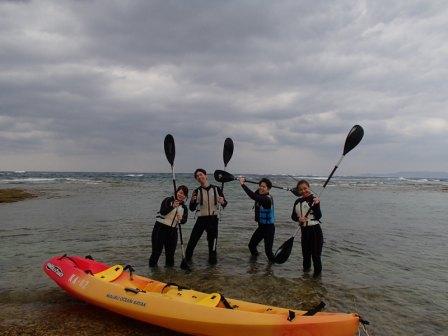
14	195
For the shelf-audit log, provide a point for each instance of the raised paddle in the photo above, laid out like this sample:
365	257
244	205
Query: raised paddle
170	153
224	177
227	153
353	139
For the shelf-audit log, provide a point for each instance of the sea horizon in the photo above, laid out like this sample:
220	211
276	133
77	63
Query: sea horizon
404	174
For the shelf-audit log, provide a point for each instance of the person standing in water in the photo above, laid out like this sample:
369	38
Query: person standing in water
312	237
172	212
264	216
205	200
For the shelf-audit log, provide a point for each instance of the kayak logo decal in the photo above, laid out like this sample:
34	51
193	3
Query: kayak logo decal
55	269
125	300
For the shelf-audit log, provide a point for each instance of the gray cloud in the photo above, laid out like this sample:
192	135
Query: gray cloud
97	85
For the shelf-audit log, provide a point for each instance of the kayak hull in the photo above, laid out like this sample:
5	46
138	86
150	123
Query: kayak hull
185	310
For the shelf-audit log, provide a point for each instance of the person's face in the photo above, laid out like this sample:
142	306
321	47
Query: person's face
304	190
263	188
180	195
201	178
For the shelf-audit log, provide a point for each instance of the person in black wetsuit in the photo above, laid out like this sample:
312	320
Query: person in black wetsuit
172	212
205	200
312	237
264	216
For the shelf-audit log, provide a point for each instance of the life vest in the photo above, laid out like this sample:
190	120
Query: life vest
266	216
207	201
170	218
302	208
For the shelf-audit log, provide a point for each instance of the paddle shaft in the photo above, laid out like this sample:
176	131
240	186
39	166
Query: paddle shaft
222	183
170	154
326	182
332	172
274	186
354	137
180	230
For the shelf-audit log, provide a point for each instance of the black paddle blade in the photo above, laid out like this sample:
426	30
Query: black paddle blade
284	251
354	137
170	149
227	151
222	176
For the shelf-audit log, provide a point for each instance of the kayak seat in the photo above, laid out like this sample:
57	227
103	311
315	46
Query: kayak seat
109	274
211	300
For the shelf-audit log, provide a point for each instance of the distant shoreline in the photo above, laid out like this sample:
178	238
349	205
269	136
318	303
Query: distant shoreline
400	174
12	195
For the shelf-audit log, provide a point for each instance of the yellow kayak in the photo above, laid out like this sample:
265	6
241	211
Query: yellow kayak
116	288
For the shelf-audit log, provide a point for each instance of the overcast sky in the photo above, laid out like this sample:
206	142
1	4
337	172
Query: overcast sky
96	85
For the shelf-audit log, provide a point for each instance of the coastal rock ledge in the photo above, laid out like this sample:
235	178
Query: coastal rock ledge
14	195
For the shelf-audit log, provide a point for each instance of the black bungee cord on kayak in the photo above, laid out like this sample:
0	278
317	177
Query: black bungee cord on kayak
363	323
171	284
131	270
226	303
317	308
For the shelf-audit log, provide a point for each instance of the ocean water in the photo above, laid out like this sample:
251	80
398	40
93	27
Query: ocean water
384	254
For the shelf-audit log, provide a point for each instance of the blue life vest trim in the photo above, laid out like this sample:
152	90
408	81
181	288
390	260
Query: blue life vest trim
266	216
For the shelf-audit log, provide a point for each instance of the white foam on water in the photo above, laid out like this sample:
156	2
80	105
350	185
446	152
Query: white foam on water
29	180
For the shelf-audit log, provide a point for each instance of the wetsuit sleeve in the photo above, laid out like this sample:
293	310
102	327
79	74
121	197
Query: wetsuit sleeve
263	200
185	215
294	216
193	203
166	206
221	194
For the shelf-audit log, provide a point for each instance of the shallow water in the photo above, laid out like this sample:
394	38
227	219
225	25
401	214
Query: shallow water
384	255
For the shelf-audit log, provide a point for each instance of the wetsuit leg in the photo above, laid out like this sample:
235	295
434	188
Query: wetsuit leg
317	243
196	233
306	248
269	232
256	238
212	239
170	247
157	244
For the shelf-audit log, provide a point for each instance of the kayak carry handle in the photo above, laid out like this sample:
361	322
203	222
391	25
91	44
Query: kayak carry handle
134	290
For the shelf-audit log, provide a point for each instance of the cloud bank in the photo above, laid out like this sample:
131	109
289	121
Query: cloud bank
95	86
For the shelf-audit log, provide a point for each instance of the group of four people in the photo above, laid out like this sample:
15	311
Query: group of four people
206	201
